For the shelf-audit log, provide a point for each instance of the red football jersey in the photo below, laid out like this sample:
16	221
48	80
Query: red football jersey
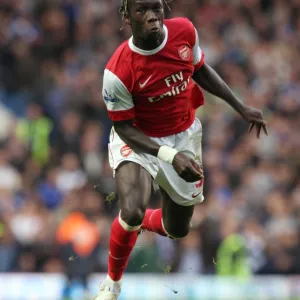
155	88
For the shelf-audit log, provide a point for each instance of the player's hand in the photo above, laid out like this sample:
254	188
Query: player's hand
255	118
187	168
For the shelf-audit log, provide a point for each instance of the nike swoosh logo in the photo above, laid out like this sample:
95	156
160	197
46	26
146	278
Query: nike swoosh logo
195	196
198	185
142	85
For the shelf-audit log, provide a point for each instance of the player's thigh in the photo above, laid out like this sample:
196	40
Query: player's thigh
176	218
133	184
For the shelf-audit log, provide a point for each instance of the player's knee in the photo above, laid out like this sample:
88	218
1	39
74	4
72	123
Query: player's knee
133	216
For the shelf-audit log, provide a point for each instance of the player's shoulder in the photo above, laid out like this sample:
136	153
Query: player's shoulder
181	29
121	57
179	23
119	65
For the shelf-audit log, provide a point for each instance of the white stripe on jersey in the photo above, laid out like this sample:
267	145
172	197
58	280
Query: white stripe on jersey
115	94
197	52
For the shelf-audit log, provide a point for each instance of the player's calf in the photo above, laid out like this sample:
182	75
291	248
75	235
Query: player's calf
176	218
176	232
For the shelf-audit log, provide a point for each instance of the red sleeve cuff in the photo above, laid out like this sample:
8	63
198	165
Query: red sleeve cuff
199	64
121	115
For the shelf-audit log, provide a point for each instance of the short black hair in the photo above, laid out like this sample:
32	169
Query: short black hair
124	7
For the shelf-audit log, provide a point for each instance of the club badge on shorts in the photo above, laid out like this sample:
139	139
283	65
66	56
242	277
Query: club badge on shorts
184	52
125	151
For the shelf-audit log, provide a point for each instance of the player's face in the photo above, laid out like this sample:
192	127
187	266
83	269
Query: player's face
146	18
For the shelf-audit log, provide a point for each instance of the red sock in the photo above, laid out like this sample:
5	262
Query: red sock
121	244
153	221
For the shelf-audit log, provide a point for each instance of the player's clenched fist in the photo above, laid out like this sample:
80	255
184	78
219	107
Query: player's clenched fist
187	168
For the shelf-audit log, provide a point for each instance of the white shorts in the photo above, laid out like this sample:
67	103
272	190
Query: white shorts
189	142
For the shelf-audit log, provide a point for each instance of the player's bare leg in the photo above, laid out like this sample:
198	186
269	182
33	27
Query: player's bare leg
133	185
176	218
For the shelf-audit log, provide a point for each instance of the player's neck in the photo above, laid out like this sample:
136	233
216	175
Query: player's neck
148	44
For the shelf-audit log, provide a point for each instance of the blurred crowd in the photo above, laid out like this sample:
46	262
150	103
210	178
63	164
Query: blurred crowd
57	193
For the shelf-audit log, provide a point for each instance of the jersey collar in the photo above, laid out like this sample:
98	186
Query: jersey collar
149	52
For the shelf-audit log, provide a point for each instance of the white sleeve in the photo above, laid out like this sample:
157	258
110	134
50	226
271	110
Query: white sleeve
117	98
197	52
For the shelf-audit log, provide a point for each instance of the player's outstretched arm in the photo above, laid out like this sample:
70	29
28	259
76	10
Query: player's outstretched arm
210	81
185	167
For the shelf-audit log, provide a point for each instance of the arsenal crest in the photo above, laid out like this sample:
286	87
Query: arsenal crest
184	52
125	151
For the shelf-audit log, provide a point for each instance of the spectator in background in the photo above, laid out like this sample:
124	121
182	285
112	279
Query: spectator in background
92	156
10	178
48	191
7	122
34	131
69	138
27	225
8	248
70	176
79	240
232	253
